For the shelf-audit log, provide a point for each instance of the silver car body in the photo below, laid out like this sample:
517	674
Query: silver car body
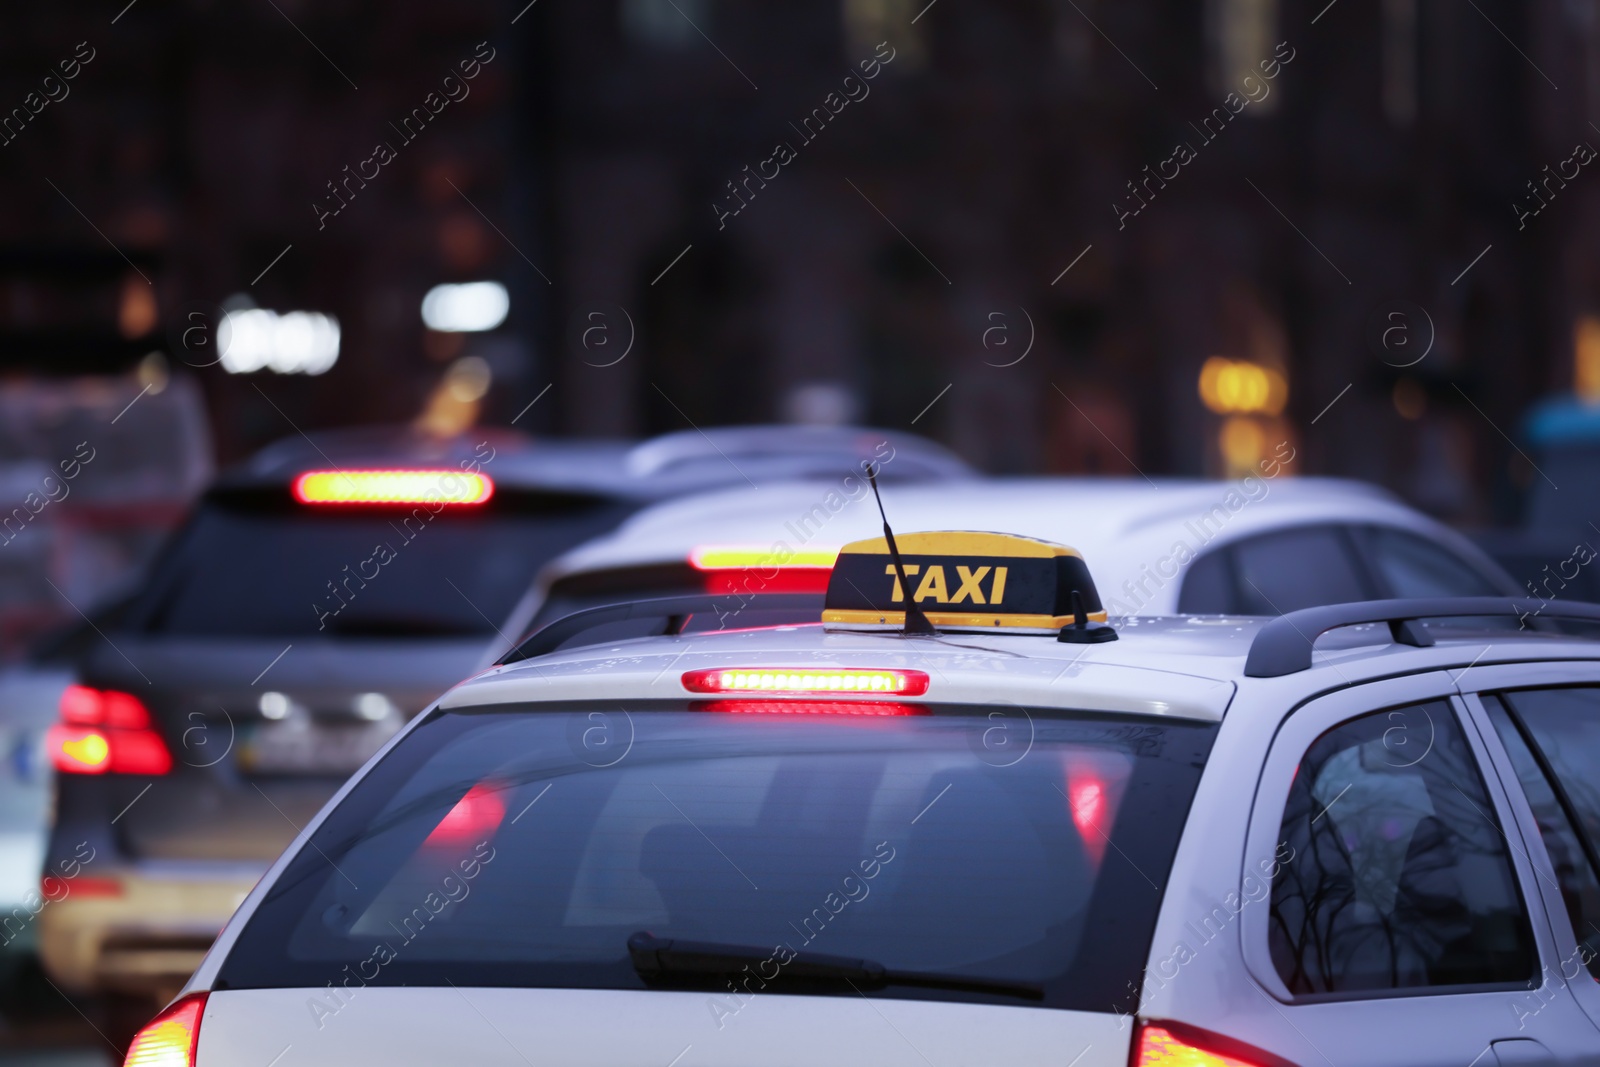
1189	667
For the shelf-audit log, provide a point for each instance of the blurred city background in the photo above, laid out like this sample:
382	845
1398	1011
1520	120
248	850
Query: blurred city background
1155	238
204	142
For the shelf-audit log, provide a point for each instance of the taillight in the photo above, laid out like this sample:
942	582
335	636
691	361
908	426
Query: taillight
758	569
76	751
81	706
776	580
811	707
169	1040
801	680
102	730
54	888
1159	1047
742	557
443	487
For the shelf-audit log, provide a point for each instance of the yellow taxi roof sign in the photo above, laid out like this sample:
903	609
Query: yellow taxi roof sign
962	580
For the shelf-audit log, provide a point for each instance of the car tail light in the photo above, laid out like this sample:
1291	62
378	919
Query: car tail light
52	887
124	710
773	580
444	486
811	707
476	815
1159	1047
77	751
102	730
803	681
757	569
746	557
169	1040
81	706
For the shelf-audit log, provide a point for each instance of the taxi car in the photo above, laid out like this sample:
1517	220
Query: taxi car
979	825
321	594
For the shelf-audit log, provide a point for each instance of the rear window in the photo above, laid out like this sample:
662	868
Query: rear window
991	854
1415	567
260	565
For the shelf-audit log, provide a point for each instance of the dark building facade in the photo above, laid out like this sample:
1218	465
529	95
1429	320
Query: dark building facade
1022	227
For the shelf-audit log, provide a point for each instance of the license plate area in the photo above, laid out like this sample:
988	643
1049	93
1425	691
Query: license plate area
312	747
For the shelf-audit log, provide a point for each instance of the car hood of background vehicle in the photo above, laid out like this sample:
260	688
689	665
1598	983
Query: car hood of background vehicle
613	1028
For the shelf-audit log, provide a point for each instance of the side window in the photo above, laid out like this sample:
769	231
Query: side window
1397	874
1294	569
1208	586
1412	566
1553	738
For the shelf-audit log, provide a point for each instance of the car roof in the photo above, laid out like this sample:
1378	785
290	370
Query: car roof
653	469
1122	526
1187	666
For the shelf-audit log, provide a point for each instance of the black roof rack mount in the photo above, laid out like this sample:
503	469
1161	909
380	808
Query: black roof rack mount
1284	645
673	611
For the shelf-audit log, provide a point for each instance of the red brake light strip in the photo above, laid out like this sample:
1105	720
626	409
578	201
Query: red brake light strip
443	487
808	681
812	707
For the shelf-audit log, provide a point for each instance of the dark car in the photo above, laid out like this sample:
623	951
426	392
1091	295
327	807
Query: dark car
318	597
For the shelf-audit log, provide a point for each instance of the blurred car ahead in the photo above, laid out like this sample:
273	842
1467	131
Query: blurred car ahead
1162	548
28	699
318	597
95	472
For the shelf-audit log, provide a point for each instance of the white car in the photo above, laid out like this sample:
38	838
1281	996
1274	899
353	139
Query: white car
1028	838
1155	548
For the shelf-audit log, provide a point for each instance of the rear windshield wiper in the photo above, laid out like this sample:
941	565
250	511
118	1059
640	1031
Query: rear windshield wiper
657	959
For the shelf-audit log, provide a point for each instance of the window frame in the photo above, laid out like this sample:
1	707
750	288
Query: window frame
1500	678
1294	737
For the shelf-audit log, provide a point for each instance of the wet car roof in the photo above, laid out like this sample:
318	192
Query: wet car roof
1185	666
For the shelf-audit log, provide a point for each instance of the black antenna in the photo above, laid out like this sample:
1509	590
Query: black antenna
1080	631
916	621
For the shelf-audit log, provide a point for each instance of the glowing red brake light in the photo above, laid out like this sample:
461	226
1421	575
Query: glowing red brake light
744	557
103	730
124	711
82	706
1159	1048
169	1040
806	681
812	707
139	752
476	815
757	569
54	888
444	486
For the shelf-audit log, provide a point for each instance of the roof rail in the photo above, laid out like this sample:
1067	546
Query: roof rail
673	611
1284	645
